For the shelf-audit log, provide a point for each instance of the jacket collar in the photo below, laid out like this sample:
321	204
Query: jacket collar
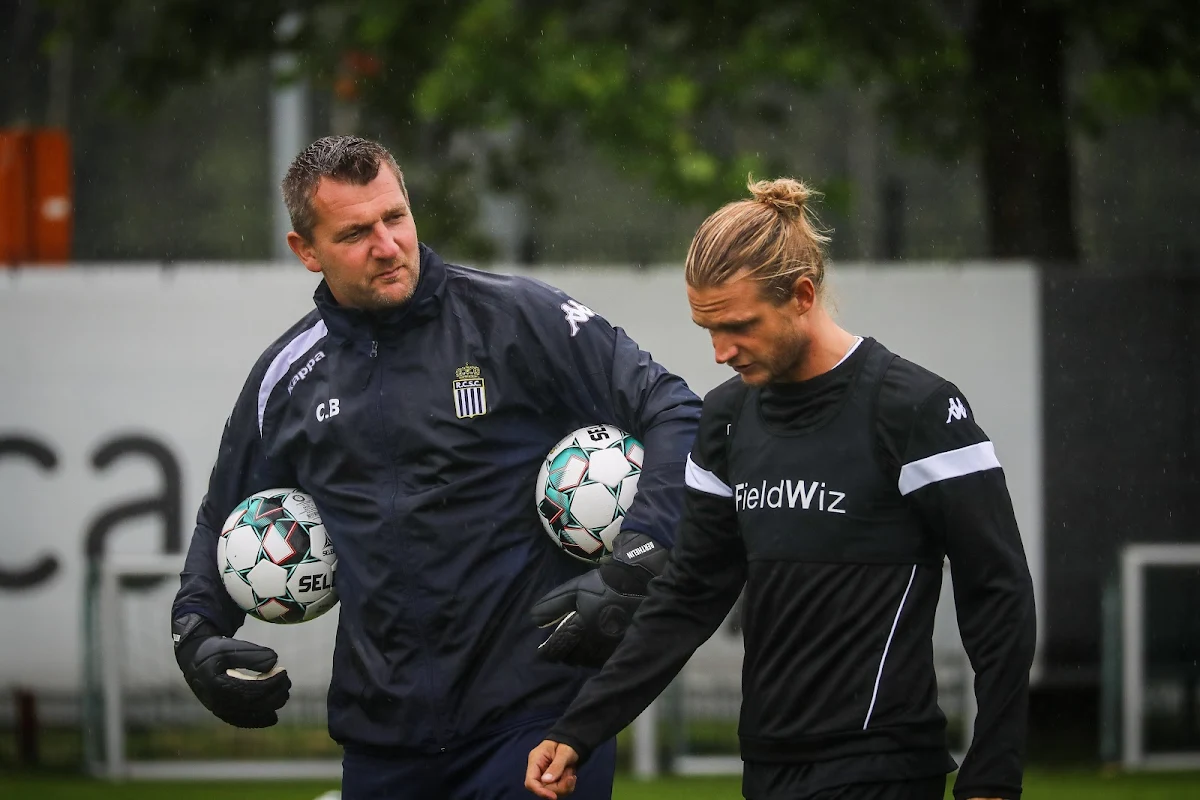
425	304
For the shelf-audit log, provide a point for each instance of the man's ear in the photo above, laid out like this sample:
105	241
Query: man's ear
304	251
804	294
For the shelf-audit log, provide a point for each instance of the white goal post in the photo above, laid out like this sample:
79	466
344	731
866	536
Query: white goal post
137	688
132	654
117	652
1135	559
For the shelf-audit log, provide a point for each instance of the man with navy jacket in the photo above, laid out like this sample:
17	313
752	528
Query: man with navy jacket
441	680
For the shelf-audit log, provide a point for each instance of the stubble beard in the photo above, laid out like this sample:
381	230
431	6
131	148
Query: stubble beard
786	362
376	299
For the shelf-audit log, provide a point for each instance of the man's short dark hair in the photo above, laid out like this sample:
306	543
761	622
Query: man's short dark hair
350	159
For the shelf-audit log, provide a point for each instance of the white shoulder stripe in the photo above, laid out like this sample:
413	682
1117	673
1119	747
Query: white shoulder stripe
951	464
282	362
704	481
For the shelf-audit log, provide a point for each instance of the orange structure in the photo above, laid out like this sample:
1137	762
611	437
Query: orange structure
36	198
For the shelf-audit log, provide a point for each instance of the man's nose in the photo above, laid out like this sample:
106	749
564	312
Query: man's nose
385	246
723	350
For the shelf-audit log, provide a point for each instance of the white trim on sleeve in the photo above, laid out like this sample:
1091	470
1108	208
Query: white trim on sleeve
704	481
291	353
951	464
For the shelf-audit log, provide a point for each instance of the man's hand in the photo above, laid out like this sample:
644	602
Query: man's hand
591	613
551	770
237	681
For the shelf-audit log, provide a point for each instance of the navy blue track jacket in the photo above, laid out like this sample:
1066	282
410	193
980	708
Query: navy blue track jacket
440	552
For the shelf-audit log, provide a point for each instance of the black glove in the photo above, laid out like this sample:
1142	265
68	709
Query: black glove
592	612
235	680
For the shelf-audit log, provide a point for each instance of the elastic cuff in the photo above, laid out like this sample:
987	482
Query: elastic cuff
214	618
578	746
187	632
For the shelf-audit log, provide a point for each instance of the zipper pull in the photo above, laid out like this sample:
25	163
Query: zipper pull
374	348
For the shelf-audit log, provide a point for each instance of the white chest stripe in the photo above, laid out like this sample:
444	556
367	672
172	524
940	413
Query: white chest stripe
289	355
704	481
951	464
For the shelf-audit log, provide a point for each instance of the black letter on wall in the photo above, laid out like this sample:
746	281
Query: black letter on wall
166	504
46	566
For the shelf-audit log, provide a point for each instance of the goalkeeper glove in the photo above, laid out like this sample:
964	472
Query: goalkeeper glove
591	613
237	681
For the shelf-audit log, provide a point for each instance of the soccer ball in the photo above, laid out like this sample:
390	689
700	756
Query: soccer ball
585	486
276	559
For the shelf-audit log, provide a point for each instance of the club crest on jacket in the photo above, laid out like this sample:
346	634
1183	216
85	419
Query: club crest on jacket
470	394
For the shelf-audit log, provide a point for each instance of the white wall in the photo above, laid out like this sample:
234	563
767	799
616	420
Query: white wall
94	353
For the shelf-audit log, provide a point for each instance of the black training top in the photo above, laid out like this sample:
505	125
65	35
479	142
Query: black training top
833	503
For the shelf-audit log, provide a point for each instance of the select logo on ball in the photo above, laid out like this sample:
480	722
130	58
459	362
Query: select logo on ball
276	559
316	583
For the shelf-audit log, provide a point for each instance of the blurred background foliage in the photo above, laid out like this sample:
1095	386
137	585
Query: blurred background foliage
605	130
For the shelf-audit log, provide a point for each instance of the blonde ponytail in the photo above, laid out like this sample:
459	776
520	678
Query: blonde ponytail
774	236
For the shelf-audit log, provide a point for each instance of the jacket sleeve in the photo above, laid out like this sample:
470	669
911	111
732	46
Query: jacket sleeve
684	606
598	374
241	469
950	473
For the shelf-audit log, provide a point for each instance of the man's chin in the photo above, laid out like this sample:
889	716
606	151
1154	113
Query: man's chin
391	296
753	376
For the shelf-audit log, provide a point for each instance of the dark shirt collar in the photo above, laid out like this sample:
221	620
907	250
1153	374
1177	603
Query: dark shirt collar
839	374
424	305
801	406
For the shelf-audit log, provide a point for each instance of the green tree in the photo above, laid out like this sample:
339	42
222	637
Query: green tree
662	86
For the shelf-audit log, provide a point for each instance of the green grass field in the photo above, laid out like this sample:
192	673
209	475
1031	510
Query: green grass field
1049	785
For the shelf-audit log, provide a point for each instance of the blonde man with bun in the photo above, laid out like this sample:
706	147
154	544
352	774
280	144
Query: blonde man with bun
829	480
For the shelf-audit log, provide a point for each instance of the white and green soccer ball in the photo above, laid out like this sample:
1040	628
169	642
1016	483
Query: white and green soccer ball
585	486
275	557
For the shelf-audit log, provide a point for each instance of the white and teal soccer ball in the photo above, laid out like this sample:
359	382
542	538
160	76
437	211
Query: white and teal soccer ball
276	559
585	486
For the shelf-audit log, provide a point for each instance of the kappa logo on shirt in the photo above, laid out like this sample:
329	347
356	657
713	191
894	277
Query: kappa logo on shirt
576	314
957	410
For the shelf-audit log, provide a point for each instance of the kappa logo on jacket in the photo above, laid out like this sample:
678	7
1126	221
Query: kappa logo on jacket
470	393
576	313
306	370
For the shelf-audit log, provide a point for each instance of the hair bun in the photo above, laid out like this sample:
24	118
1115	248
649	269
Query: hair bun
786	195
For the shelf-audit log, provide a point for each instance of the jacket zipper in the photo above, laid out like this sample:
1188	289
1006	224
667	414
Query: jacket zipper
434	705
